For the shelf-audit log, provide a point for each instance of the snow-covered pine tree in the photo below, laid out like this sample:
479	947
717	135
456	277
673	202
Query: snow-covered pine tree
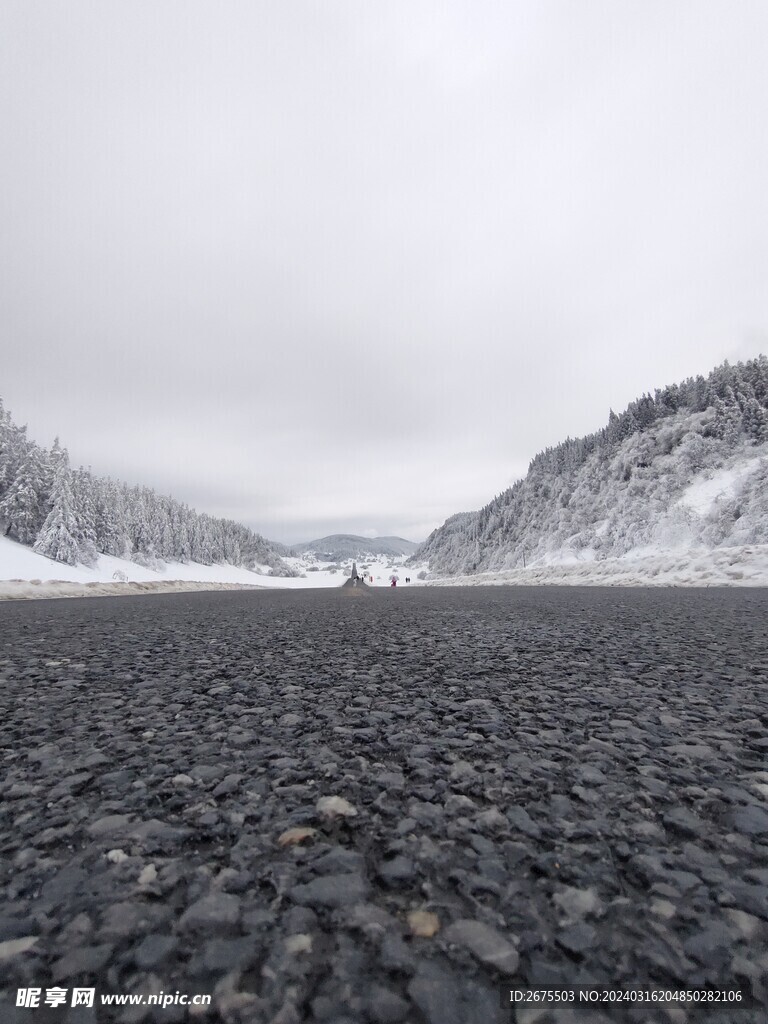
166	543
109	518
755	420
85	515
180	525
5	445
21	510
205	548
13	450
56	455
58	535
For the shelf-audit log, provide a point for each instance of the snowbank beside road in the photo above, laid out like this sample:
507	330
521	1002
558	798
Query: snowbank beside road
19	562
697	567
25	574
22	590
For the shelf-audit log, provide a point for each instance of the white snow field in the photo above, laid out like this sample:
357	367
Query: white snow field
703	494
26	574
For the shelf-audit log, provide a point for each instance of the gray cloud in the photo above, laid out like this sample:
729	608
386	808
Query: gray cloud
343	266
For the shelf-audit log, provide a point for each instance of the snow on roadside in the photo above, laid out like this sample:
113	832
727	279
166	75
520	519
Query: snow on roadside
697	567
26	574
24	590
19	562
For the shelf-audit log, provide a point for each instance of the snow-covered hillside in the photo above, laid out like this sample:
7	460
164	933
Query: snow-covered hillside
685	470
340	546
742	566
75	517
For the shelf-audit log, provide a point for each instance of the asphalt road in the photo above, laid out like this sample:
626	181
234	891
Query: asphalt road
570	786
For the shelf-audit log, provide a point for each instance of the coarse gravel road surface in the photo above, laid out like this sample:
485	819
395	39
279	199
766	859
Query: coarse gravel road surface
386	806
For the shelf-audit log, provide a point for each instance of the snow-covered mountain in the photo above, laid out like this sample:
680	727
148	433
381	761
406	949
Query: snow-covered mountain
341	546
72	516
684	468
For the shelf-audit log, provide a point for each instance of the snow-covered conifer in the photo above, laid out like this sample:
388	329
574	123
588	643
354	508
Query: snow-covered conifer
13	450
21	511
84	508
58	535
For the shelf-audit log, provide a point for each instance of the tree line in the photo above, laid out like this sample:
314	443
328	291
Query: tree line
73	515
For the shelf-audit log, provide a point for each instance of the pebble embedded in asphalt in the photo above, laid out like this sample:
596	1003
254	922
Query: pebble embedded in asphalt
384	810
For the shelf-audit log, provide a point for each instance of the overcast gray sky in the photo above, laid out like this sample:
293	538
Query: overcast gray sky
347	266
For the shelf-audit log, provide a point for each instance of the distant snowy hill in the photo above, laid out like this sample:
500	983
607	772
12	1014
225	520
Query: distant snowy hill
74	517
686	468
341	546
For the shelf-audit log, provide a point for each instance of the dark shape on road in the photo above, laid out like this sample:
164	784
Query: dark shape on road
355	580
